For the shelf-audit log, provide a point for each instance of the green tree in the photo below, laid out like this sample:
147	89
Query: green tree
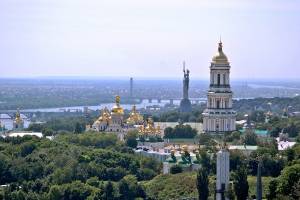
76	190
168	132
229	193
288	178
296	191
180	131
27	148
35	127
108	191
202	183
18	195
292	130
130	139
290	154
272	189
93	181
146	174
236	159
47	132
4	166
250	138
128	187
55	193
175	169
232	136
205	139
275	132
257	116
205	160
78	128
241	186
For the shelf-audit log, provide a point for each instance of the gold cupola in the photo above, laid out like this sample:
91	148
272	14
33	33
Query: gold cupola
105	116
117	109
18	118
149	128
220	57
134	117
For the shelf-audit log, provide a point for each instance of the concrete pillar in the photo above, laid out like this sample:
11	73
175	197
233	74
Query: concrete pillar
222	173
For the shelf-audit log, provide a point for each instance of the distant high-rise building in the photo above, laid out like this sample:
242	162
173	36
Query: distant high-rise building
185	104
131	87
219	117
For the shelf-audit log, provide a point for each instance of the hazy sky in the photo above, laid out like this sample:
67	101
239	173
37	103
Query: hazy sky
148	38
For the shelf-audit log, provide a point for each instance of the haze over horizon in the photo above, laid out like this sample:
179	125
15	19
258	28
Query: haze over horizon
114	38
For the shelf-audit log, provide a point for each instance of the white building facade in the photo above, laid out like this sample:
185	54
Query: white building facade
219	117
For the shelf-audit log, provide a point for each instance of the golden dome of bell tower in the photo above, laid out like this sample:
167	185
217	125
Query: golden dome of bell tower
220	57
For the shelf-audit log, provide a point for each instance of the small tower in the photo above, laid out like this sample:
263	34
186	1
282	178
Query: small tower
185	104
18	123
222	173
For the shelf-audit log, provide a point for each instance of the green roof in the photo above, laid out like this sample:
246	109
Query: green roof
257	132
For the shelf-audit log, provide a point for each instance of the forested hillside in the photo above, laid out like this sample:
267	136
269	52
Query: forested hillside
72	166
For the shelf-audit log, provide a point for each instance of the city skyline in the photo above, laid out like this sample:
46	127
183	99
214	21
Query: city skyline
148	39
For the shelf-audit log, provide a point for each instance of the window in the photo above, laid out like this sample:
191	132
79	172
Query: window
219	79
218	104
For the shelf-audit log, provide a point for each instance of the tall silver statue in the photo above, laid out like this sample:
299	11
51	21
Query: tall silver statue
186	80
185	104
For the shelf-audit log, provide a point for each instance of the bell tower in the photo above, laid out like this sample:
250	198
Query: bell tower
218	117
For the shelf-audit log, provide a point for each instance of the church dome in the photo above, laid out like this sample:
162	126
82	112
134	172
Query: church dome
117	109
97	122
104	115
18	118
149	128
220	57
134	117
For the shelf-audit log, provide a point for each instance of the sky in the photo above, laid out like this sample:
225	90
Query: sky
148	38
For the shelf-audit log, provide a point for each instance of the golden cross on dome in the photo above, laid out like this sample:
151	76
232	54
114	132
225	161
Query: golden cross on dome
118	99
